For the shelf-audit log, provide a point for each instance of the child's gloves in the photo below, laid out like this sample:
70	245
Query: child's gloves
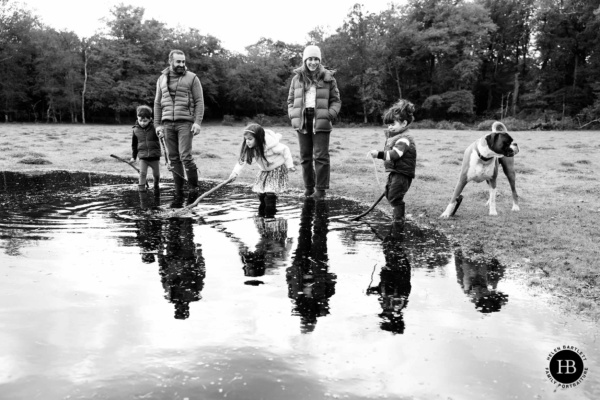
233	176
373	153
293	169
132	160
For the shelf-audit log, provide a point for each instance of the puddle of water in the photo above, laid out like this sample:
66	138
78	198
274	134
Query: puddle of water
98	299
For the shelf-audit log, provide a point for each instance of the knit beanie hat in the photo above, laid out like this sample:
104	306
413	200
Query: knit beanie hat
311	51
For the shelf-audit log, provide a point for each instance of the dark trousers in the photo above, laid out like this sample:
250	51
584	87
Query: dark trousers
314	155
396	187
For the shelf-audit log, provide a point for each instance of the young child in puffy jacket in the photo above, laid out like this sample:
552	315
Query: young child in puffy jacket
273	158
145	145
399	156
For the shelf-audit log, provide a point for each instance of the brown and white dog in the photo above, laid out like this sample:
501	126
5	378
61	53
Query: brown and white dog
480	163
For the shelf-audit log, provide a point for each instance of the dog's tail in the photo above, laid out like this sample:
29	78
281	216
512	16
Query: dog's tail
497	124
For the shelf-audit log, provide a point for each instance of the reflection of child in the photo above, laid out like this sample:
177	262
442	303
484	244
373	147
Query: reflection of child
273	159
272	249
144	143
399	155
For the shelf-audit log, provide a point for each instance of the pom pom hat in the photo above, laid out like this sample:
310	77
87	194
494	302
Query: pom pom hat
311	51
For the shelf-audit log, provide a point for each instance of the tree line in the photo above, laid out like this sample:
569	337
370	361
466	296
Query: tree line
455	59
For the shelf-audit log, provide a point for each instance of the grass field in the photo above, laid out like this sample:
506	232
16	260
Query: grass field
553	242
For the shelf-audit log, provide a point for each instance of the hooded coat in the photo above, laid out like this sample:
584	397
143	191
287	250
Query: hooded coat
328	103
276	154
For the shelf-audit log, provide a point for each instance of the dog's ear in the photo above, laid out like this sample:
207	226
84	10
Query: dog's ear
499	127
490	139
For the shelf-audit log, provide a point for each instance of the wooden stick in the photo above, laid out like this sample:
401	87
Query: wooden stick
199	199
370	209
126	162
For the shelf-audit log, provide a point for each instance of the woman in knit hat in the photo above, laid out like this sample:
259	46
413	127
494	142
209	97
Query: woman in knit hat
313	103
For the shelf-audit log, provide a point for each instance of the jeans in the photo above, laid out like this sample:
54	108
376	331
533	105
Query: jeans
178	137
396	188
315	148
144	170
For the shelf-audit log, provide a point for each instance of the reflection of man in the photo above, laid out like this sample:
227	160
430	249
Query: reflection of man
479	280
310	284
181	266
394	285
178	113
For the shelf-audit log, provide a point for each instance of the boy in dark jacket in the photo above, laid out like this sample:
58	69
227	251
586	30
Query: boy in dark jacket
399	156
145	145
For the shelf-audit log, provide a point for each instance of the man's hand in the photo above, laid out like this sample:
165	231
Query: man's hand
196	129
160	130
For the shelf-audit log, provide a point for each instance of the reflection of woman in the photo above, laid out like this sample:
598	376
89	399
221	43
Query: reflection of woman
271	250
182	268
394	285
310	284
479	281
313	103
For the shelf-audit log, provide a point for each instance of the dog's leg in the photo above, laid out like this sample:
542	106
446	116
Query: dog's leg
492	200
456	197
508	166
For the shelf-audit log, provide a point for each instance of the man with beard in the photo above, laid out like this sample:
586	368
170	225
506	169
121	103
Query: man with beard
178	113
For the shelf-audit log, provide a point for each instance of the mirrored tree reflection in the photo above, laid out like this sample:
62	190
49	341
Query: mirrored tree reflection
479	280
181	265
394	282
271	251
310	284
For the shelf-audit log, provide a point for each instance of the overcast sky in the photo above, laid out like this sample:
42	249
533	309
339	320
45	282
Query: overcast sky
237	23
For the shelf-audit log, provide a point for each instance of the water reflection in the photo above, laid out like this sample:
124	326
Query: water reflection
271	251
479	280
310	284
394	281
181	265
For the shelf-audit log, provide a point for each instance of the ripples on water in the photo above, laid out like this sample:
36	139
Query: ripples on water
101	298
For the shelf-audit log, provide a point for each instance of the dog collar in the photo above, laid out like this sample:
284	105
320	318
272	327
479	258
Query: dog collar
482	158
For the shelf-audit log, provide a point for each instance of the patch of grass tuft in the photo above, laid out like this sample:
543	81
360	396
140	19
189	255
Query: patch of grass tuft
34	161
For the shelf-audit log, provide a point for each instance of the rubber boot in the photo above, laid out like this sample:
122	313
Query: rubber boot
178	181
192	178
270	205
261	207
398	223
156	187
319	194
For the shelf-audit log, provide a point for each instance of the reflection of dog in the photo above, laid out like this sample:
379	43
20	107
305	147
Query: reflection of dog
480	163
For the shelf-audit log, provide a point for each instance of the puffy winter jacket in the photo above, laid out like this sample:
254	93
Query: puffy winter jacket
405	164
276	154
186	105
144	142
328	103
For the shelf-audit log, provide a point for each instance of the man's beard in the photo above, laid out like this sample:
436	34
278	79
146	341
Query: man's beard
179	70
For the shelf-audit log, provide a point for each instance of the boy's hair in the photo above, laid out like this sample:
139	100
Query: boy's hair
402	110
246	153
144	112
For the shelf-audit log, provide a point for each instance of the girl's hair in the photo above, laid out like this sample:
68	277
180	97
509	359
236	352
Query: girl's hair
402	110
246	153
144	112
